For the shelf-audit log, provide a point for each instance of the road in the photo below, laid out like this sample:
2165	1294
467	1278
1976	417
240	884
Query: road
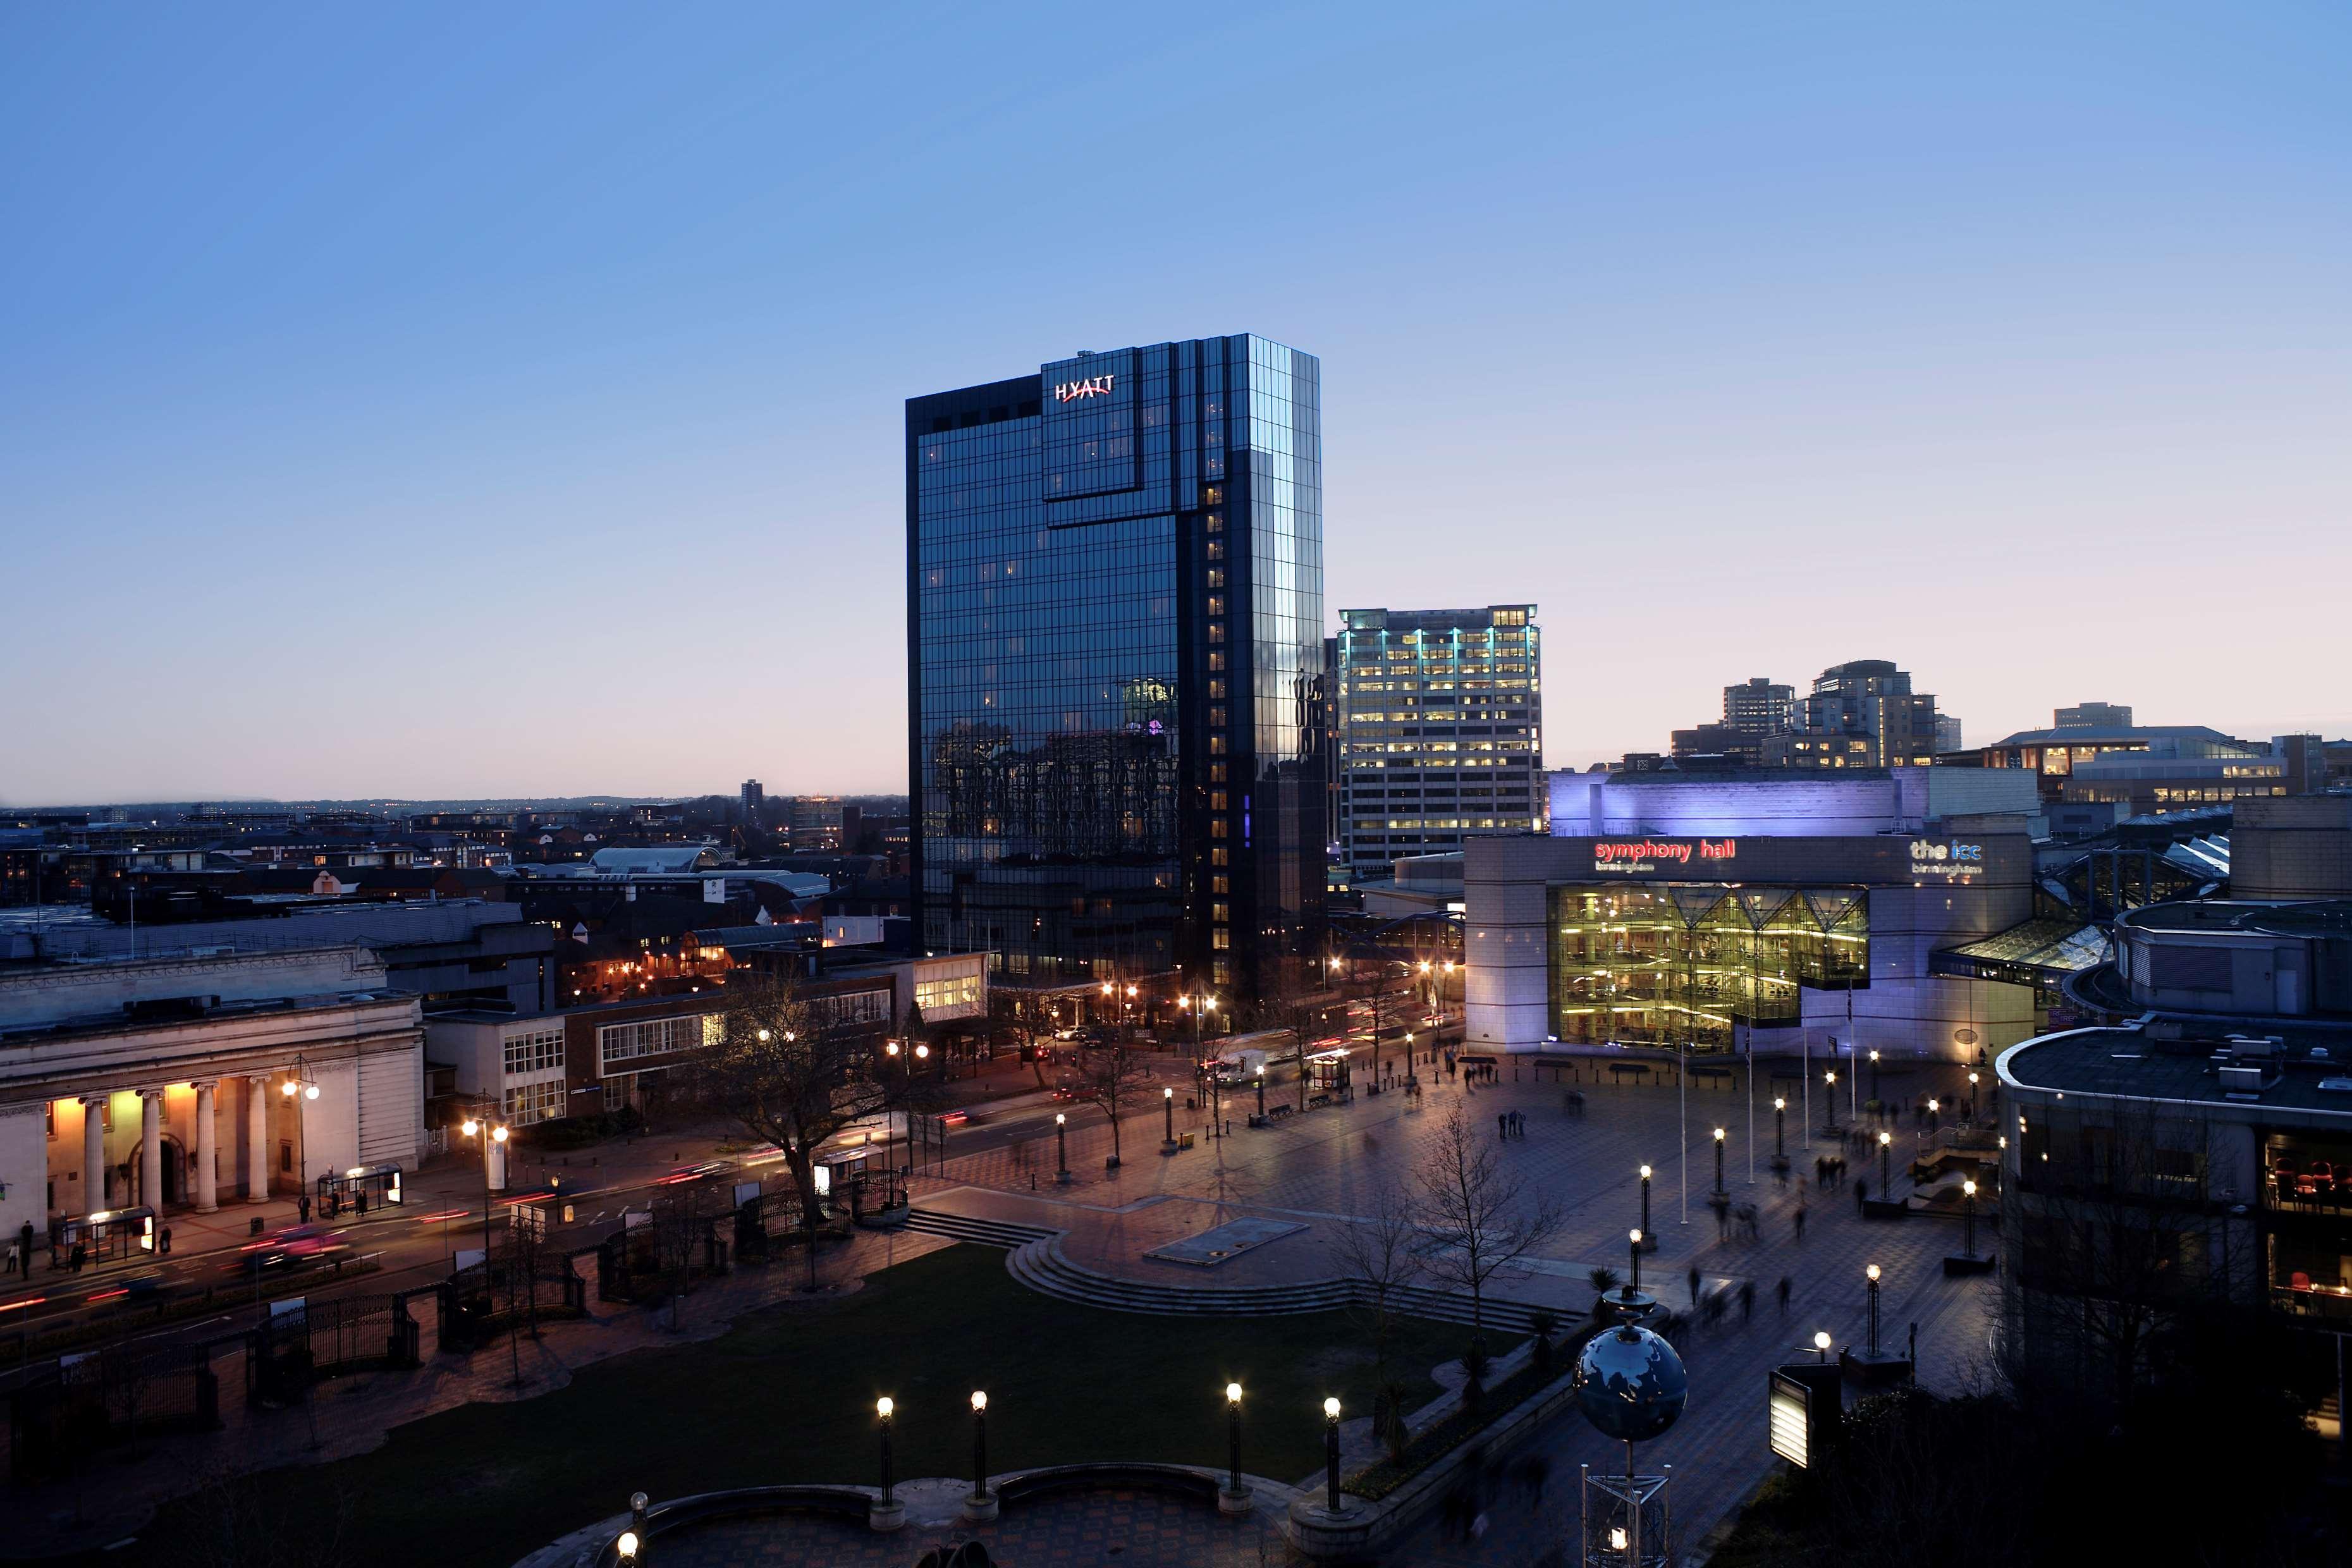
413	1246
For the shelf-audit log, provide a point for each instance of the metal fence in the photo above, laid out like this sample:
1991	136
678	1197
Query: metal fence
66	1412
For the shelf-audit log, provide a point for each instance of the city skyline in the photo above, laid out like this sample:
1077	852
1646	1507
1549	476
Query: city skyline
411	408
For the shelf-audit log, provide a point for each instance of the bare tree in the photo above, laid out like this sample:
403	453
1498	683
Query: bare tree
682	1217
1111	1076
790	1081
1381	1254
1010	1018
1473	1216
2123	1235
1298	1015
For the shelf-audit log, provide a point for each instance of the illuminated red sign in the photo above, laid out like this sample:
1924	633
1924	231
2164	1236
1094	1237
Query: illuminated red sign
1651	851
1092	386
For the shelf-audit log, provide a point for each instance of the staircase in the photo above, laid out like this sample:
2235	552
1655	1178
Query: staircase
980	1232
1041	1266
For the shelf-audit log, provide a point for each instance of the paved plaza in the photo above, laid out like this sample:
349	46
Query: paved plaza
1135	1529
1323	1167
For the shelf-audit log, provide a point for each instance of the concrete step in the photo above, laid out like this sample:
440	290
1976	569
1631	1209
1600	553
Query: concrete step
1041	1267
982	1231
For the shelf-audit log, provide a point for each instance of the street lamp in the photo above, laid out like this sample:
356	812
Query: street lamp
1261	1092
1969	1216
1645	1197
299	1091
1779	1132
1062	1148
1829	1105
1871	1274
472	1127
1821	1346
1234	1436
1934	1105
1873	1083
1332	1455
978	1445
1885	1152
1718	1161
1168	1112
882	1408
1634	1236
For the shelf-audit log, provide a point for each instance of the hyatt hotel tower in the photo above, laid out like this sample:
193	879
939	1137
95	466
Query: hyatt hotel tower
1115	665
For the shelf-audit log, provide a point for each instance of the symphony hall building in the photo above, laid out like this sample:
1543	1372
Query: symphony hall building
160	1081
1709	911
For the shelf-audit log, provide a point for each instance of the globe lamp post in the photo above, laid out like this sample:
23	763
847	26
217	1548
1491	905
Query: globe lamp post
1331	1456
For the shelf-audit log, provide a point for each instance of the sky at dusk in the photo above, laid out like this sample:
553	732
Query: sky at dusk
437	401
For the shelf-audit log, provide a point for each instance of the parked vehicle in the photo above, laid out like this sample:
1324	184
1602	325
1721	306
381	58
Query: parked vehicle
1240	1066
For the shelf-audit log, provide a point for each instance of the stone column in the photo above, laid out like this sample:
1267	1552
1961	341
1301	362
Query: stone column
151	1148
207	1150
257	1139
93	1153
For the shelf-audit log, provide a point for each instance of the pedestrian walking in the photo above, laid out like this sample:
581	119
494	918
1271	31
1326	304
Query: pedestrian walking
1747	1299
1862	1197
1502	1125
24	1248
1799	1222
1694	1284
1784	1295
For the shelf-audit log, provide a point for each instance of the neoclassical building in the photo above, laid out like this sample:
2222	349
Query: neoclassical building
163	1079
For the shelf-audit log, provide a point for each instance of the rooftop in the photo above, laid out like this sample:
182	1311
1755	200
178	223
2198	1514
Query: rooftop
2315	918
2304	1066
2116	734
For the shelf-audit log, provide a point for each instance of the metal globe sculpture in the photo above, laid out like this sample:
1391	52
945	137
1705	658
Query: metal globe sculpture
1630	1383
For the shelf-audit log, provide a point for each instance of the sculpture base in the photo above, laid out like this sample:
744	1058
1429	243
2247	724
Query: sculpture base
979	1508
1233	1504
886	1517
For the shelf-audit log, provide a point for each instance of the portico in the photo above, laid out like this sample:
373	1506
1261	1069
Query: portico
112	1080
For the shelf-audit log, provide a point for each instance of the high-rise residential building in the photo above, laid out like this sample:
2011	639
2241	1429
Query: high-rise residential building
1758	706
1861	714
1115	641
755	801
2093	716
1442	720
1949	736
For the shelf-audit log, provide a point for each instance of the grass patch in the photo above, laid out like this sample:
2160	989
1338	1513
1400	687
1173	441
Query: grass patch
788	1396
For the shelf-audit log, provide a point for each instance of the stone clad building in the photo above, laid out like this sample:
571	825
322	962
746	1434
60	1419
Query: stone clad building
161	1081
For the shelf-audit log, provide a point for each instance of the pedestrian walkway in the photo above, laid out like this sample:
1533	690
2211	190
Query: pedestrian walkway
1140	1529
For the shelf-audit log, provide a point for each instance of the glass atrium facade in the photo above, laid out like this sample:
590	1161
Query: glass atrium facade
1670	964
1115	650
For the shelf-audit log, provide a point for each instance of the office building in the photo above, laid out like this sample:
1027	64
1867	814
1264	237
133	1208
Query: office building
1440	725
755	801
1114	634
2093	716
1949	736
1861	714
1793	912
1758	706
2172	765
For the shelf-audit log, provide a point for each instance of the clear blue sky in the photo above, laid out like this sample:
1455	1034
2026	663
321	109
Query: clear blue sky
416	400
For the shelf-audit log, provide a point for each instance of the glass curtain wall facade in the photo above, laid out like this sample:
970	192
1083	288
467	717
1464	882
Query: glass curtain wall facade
1114	654
1670	964
1440	716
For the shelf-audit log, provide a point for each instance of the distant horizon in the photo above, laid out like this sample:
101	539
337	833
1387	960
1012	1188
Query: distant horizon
773	792
410	401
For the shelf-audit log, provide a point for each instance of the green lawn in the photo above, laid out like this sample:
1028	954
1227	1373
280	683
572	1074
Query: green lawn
788	1396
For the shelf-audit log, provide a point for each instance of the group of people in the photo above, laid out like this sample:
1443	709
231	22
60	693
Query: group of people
1510	1124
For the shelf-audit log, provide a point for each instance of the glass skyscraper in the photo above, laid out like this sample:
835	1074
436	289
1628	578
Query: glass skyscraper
1115	659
